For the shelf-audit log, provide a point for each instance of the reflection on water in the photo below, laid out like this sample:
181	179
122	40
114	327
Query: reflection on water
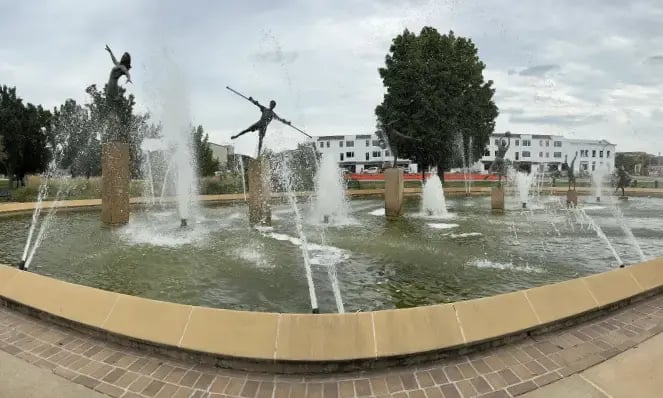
220	262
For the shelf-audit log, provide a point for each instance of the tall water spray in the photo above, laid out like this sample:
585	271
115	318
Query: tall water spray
598	178
285	176
433	203
523	184
177	132
330	204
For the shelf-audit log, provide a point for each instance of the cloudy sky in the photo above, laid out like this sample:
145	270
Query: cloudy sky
584	69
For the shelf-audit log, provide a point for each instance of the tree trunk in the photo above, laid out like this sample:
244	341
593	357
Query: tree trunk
440	173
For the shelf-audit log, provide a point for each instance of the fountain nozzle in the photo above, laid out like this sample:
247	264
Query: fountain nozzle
315	311
183	223
21	265
621	265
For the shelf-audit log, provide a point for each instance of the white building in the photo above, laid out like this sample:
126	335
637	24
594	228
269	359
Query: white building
357	152
222	153
550	152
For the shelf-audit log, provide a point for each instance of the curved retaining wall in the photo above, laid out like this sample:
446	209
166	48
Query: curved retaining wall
316	342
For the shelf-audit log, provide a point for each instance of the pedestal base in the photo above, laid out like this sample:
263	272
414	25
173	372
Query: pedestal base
393	192
497	199
115	183
260	193
571	198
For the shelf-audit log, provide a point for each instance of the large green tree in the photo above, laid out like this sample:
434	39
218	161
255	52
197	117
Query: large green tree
24	129
80	146
436	94
205	160
116	121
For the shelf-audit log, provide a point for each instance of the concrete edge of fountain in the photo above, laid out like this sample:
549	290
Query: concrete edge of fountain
13	208
288	343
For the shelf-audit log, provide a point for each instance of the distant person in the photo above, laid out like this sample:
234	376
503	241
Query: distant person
119	69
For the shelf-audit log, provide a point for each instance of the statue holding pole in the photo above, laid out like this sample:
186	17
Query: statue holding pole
267	114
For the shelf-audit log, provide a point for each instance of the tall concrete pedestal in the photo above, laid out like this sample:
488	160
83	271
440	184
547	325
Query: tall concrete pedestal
497	199
393	192
571	198
115	183
260	193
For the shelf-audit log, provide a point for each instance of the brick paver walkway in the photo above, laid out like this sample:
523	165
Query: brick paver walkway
506	371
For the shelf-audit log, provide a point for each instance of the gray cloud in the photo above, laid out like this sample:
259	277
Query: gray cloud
561	120
277	57
538	70
655	60
319	60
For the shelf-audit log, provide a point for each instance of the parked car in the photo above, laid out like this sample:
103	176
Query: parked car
372	170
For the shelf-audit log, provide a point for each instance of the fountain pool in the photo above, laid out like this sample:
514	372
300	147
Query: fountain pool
220	262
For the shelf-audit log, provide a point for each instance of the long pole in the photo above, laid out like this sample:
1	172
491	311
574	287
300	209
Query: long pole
282	121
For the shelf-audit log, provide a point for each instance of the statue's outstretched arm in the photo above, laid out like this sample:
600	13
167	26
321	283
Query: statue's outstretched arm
111	54
280	119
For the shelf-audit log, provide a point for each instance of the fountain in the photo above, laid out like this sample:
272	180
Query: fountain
523	183
285	176
598	178
330	204
176	129
433	202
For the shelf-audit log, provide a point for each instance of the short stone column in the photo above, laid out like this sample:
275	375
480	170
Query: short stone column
497	198
393	192
115	183
260	193
571	198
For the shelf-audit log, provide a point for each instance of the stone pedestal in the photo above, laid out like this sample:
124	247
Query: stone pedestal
260	193
571	198
393	192
497	199
115	183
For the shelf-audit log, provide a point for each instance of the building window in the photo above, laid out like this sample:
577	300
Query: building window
322	144
540	142
368	143
594	153
607	155
349	144
527	143
547	143
376	143
600	154
340	144
540	154
497	141
558	144
517	142
547	154
593	166
328	144
525	154
387	153
517	155
557	154
367	156
349	155
341	156
376	154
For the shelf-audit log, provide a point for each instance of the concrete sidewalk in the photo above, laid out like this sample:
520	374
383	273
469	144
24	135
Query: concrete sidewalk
637	372
19	379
